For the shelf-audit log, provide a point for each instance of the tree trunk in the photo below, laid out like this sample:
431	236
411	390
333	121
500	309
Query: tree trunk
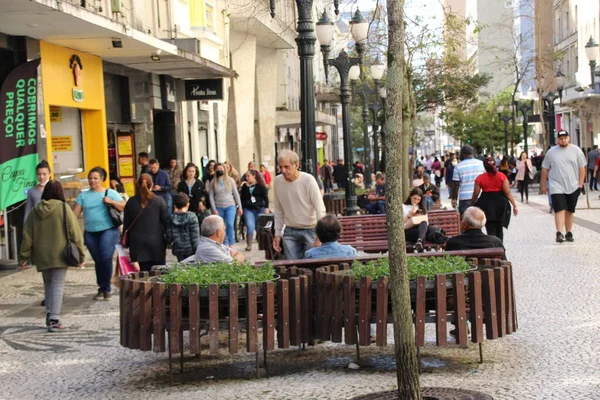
407	370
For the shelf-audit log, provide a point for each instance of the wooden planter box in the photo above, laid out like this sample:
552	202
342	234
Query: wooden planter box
153	316
483	297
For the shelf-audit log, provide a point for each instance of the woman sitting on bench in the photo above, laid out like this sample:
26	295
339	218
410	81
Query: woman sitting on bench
415	219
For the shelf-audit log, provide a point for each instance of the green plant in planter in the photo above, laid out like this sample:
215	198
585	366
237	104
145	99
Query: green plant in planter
417	266
220	273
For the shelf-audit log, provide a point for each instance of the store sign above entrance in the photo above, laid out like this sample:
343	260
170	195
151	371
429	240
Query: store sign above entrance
204	89
19	124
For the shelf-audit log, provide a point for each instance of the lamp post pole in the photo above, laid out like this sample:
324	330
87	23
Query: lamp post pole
343	63
525	108
306	50
506	119
365	93
375	107
549	103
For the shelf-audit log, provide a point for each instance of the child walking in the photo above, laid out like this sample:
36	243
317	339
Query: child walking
184	228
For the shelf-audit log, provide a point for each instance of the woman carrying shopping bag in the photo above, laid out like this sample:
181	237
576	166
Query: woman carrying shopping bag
50	231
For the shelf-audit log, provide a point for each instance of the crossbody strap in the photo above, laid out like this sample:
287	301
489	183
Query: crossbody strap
65	221
136	218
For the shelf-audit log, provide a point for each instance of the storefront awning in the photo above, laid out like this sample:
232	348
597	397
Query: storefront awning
69	25
291	119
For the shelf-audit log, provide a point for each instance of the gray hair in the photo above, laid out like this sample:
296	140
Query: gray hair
211	225
474	217
289	155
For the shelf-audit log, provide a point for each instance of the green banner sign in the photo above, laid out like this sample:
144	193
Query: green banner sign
18	133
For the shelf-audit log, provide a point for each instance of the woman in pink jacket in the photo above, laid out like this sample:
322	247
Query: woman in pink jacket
524	175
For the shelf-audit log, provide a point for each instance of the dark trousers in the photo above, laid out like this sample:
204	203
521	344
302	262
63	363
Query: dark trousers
593	181
494	228
147	265
416	232
523	187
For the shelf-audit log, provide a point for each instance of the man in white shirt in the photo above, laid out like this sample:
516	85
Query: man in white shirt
298	206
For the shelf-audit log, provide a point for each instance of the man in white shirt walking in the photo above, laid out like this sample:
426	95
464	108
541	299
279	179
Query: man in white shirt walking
298	206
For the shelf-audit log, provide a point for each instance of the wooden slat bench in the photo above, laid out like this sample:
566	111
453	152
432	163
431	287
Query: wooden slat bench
368	233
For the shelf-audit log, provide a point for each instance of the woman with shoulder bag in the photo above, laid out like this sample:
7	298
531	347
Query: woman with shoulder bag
145	226
101	235
50	227
524	175
416	225
495	195
255	201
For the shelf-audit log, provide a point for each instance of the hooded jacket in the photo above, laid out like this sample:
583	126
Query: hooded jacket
185	231
44	236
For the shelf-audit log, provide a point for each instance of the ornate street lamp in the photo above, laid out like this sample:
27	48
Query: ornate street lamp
306	50
525	108
591	52
506	119
377	71
359	28
365	92
549	110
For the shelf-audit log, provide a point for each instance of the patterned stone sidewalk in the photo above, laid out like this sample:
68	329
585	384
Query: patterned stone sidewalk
554	355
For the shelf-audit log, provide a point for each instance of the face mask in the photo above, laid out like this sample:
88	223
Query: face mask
220	173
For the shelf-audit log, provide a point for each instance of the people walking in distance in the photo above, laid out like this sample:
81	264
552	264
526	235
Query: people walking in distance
225	200
184	229
44	240
416	224
437	168
34	195
267	175
100	234
463	178
327	174
340	174
147	220
328	232
377	200
117	186
564	167
255	201
174	172
162	183
591	158
524	175
298	205
472	236
431	193
504	166
449	165
209	172
252	167
193	187
211	248
233	173
495	196
143	162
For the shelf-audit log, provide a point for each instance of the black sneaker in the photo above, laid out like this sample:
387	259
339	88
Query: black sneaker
559	237
107	296
570	237
99	295
419	246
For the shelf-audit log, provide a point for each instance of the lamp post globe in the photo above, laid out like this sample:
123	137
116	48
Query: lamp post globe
591	52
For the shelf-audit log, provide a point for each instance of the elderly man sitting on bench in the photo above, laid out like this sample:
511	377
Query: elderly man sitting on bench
328	231
472	236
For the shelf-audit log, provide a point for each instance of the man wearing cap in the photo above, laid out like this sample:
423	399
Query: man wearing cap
463	177
563	174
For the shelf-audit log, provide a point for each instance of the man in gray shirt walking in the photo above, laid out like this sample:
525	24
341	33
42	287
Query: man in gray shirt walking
564	168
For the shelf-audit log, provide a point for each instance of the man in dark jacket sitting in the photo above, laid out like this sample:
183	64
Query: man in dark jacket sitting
472	237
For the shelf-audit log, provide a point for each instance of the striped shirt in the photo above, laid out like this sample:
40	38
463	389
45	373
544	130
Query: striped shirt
466	172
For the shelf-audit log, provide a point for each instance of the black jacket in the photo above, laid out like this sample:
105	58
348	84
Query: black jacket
185	233
435	191
198	194
148	237
473	239
260	195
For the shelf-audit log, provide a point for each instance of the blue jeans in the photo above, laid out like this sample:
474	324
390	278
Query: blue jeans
170	202
102	247
228	215
297	241
250	218
463	205
428	202
376	208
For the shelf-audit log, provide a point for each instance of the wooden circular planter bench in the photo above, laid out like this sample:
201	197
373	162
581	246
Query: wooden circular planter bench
484	297
154	316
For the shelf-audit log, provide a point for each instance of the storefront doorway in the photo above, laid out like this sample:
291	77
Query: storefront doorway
165	141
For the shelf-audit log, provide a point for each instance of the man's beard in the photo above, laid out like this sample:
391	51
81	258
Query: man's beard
563	145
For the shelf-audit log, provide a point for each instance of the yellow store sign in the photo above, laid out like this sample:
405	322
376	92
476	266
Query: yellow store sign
62	143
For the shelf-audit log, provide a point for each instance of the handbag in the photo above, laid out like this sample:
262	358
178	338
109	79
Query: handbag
116	216
125	236
71	255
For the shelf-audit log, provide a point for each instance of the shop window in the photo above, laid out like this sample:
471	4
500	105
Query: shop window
209	15
67	144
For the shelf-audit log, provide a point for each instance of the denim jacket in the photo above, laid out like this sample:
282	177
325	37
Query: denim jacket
331	250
